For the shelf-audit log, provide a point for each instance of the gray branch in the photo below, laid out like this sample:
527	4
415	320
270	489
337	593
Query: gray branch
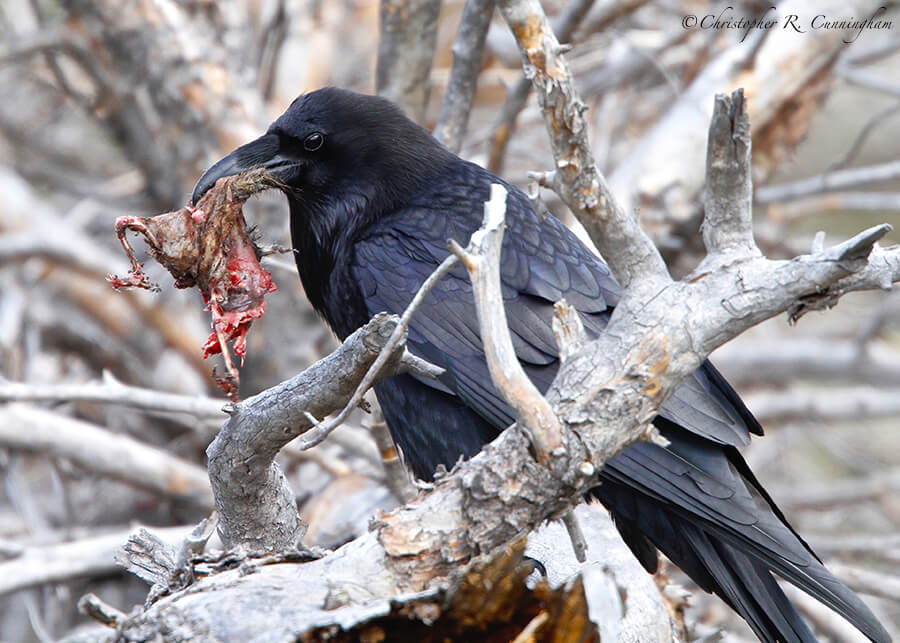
256	506
406	52
728	225
626	248
829	182
96	449
468	52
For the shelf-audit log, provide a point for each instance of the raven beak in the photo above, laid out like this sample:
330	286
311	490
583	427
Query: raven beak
261	153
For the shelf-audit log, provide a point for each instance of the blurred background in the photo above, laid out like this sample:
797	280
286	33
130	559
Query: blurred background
115	107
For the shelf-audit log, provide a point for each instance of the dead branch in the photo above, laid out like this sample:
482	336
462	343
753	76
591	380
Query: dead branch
841	492
628	251
482	260
728	223
468	52
829	182
834	201
395	472
828	359
405	53
98	450
829	405
256	507
112	391
92	556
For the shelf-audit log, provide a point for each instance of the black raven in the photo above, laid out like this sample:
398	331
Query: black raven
373	200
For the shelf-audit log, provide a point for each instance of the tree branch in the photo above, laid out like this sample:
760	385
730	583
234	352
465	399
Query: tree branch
468	53
629	252
256	506
112	391
728	224
95	449
482	260
405	53
88	557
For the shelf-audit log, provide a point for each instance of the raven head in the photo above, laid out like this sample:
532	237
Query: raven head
334	143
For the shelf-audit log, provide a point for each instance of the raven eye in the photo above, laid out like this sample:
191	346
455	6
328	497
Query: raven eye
313	142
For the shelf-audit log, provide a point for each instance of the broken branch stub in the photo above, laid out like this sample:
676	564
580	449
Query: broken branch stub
208	246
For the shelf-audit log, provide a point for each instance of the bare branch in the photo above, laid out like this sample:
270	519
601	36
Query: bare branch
405	53
95	449
728	221
482	260
579	544
468	52
91	605
781	211
880	484
112	391
89	557
395	472
827	359
828	405
256	506
830	181
628	251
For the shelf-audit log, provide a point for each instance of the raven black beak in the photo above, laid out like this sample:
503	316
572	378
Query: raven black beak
264	152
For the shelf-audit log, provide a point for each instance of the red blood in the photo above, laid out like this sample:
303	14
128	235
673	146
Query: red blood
208	246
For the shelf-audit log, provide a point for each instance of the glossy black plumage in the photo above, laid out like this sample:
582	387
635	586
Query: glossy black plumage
371	213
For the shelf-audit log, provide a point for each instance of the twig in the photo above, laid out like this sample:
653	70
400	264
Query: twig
874	121
112	391
101	451
468	52
91	605
321	431
834	201
870	81
482	260
828	182
579	544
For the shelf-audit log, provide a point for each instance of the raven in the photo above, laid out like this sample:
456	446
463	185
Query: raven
373	201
